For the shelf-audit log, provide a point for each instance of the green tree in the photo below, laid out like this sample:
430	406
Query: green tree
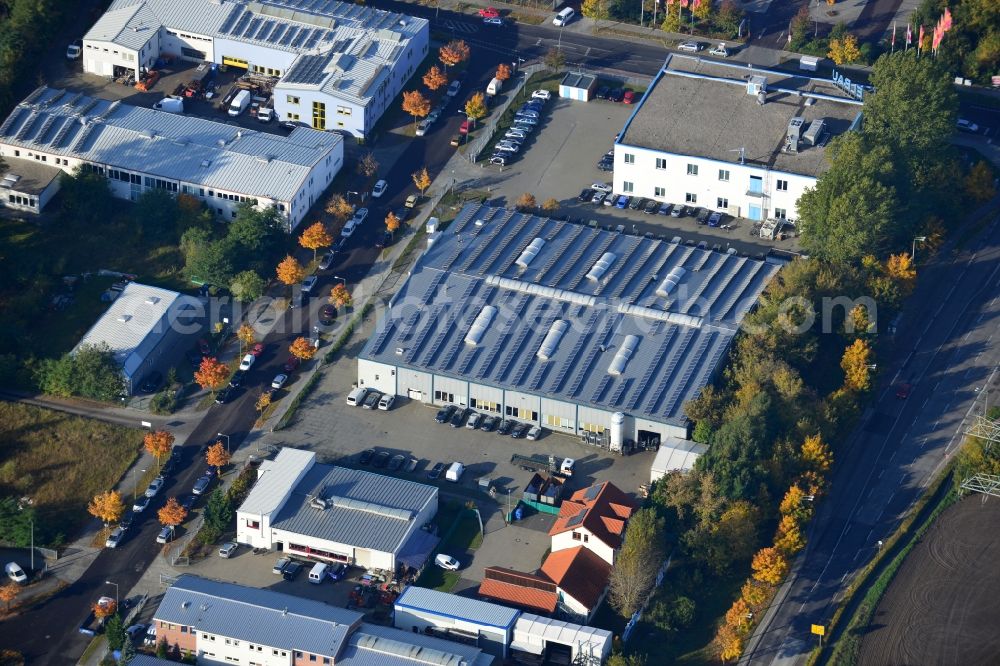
554	59
218	515
128	653
205	259
156	216
247	286
114	630
15	523
595	9
92	372
162	648
86	197
638	561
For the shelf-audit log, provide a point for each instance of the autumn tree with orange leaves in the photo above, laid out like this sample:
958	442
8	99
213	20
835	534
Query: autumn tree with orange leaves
263	401
107	609
158	443
301	348
422	180
246	335
217	456
391	223
340	297
856	364
769	566
435	78
315	237
172	513
212	374
8	593
415	104
290	271
338	208
108	507
503	71
453	52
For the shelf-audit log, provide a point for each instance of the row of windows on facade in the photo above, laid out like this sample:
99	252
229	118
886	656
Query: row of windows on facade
235	643
125	55
721	203
44	158
186	36
18	200
692	170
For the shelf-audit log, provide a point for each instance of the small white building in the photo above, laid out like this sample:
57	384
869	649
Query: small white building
334	514
337	65
142	327
28	186
547	638
578	87
730	137
141	149
675	455
481	623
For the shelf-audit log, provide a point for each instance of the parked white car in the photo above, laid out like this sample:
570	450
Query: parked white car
15	572
720	50
542	94
453	88
247	362
691	47
379	189
228	549
446	562
154	487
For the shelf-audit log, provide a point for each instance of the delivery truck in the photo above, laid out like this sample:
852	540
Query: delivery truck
239	103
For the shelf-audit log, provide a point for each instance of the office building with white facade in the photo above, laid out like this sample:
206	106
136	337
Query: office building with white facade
141	149
577	329
338	65
730	137
335	514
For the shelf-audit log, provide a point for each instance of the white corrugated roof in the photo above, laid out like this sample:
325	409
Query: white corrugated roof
275	478
675	455
421	599
533	630
134	323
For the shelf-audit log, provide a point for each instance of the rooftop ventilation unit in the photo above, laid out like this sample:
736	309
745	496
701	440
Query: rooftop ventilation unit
756	85
185	604
318	503
479	326
811	137
206	163
660	315
601	266
552	338
400	351
124	318
152	300
530	253
671	281
625	352
794	134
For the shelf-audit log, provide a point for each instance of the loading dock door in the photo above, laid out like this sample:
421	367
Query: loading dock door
557	654
414	394
648	440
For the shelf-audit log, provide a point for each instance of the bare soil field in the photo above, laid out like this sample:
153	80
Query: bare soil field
943	605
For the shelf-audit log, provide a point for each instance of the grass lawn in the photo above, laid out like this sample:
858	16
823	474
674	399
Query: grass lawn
465	536
60	461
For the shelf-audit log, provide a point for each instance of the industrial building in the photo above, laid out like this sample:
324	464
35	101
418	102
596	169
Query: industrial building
141	149
335	514
226	623
731	137
337	65
577	329
142	327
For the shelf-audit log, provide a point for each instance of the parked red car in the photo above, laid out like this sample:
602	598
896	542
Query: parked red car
292	363
258	349
489	12
629	97
465	127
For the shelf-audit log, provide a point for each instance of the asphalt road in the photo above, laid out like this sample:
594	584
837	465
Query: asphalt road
946	351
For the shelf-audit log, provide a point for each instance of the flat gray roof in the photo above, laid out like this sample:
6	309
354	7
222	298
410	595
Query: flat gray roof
363	510
574	80
445	604
376	645
470	311
257	615
711	115
168	145
27	176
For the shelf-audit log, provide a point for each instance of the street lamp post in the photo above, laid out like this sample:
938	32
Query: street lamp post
342	279
32	521
227	440
913	247
135	492
108	582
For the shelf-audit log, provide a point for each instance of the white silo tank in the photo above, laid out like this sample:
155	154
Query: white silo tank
617	431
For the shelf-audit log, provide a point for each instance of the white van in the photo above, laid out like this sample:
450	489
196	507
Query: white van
454	472
318	573
239	103
564	16
357	396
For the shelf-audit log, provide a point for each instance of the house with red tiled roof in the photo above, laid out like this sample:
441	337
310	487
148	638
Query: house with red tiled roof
535	594
582	580
595	519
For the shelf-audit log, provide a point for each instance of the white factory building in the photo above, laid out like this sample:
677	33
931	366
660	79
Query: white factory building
576	329
141	149
338	65
335	514
731	138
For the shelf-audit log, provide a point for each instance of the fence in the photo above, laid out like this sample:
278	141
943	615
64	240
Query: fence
476	148
634	620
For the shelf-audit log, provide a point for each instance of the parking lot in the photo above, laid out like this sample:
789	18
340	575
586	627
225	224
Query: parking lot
560	158
339	433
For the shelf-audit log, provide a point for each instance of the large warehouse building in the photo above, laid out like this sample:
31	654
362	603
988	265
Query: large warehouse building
577	329
336	514
731	138
338	64
142	149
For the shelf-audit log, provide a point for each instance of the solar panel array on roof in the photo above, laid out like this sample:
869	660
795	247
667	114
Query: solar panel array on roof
610	342
577	519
